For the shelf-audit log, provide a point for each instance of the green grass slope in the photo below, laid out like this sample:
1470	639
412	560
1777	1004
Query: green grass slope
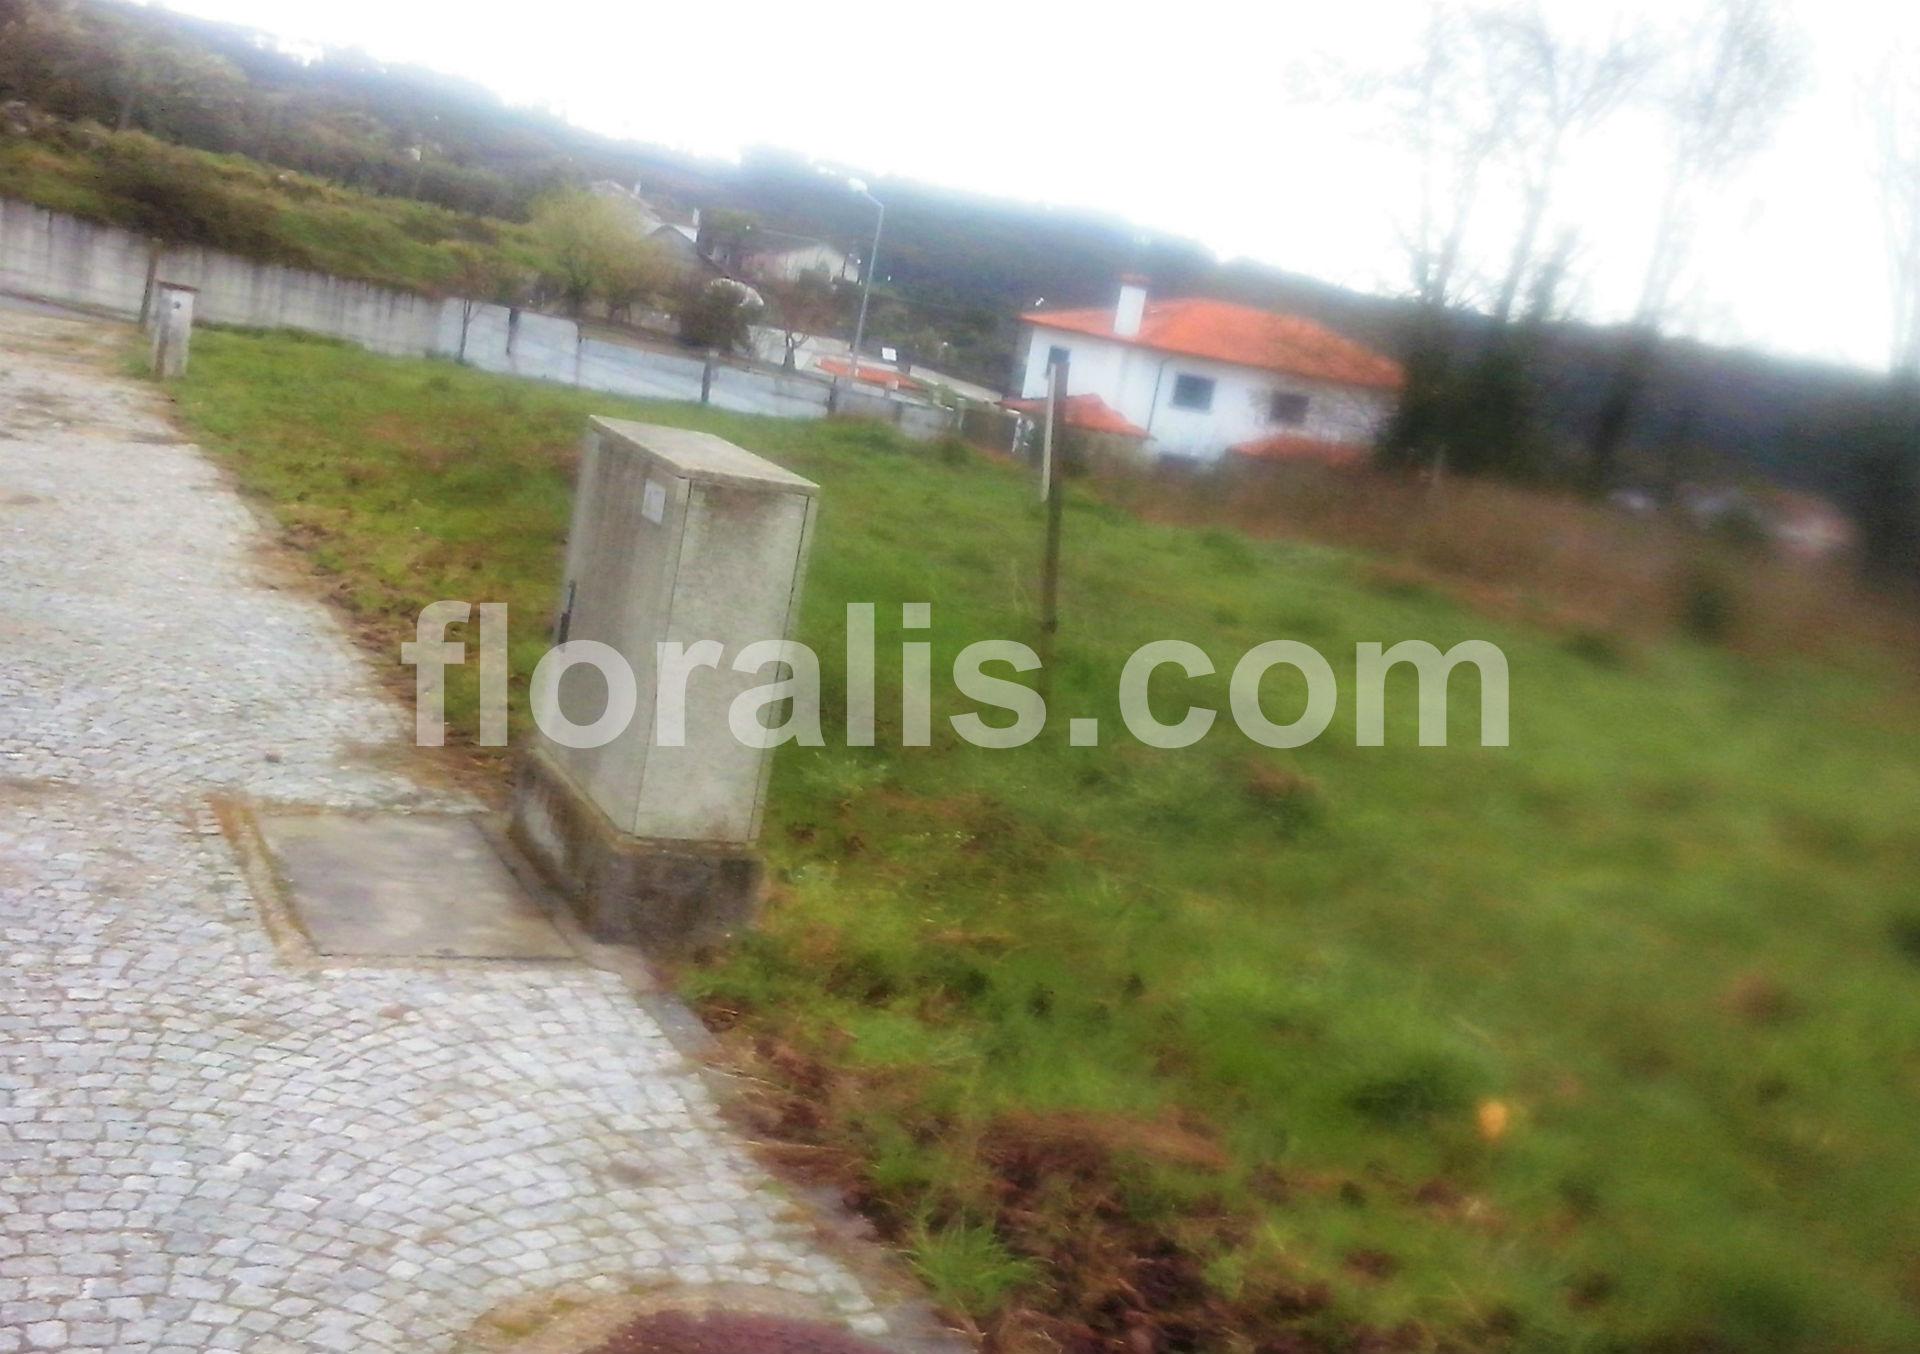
1609	1040
230	202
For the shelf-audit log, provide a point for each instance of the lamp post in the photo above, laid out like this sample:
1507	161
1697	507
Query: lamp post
873	256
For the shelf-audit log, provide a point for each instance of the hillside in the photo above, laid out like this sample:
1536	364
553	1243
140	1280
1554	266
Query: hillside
1601	1041
957	266
237	204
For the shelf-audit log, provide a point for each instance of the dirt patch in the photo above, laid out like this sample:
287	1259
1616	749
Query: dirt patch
1760	999
1118	1279
730	1333
721	1319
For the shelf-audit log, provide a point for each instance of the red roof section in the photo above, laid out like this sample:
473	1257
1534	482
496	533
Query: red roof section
1200	327
1089	413
1293	447
868	371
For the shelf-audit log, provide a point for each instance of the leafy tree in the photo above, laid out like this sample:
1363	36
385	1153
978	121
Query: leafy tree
630	277
803	306
478	275
1885	484
594	248
174	91
717	314
723	236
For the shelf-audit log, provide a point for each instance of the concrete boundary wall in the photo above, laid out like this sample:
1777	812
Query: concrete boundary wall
51	257
48	256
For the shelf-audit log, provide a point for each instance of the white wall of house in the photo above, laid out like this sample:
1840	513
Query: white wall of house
789	264
1140	383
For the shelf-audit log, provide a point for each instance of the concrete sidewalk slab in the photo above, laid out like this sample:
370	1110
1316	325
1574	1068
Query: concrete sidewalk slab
426	886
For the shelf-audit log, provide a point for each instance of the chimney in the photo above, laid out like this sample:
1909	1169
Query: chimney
1131	306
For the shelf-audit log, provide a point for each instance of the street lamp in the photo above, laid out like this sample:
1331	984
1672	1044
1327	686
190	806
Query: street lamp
873	256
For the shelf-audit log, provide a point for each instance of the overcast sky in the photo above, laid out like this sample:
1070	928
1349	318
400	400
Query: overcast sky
1188	118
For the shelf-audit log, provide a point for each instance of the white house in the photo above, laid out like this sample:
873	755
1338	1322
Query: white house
672	231
1206	377
771	255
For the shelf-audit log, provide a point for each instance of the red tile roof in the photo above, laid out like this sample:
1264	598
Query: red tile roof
1087	412
869	371
1293	447
1200	327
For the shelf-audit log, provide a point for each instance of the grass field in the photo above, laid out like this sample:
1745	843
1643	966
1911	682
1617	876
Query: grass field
1609	1040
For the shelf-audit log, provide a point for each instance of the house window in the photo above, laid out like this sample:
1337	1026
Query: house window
1057	357
1287	407
1193	392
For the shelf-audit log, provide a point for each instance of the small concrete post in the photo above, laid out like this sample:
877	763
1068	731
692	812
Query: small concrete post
706	379
172	330
678	538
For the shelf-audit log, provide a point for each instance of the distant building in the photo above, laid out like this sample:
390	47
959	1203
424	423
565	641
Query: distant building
1098	431
1809	526
1203	378
869	373
672	229
773	255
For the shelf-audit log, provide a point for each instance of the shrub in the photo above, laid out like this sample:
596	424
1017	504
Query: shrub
1709	604
1417	1093
1598	647
967	1267
1904	931
716	314
181	202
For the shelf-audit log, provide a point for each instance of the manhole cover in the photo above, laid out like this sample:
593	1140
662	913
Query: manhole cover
415	886
725	1333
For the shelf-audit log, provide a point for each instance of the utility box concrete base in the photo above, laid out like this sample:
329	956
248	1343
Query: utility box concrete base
679	541
663	896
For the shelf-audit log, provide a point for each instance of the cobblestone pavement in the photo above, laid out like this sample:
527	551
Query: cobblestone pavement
203	1146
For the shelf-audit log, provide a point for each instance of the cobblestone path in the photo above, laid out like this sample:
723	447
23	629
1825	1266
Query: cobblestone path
203	1146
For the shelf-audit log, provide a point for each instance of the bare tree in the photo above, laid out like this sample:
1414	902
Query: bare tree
1455	132
1555	92
479	276
1894	105
1735	73
803	305
1494	110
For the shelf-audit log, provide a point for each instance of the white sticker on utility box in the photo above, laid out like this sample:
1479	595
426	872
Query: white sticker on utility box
653	501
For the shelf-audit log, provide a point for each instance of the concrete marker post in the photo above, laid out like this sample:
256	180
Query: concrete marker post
172	328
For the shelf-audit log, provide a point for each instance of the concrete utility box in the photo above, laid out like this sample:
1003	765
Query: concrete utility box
171	326
676	536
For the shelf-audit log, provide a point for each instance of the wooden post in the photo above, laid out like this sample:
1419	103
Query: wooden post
1046	441
706	379
1054	455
